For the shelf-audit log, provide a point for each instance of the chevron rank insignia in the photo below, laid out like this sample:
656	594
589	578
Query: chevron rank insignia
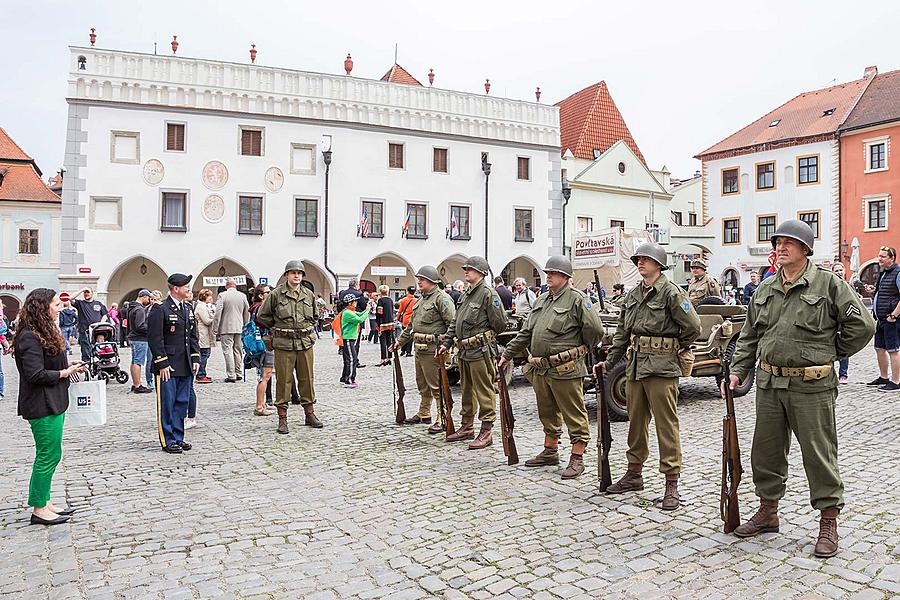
853	310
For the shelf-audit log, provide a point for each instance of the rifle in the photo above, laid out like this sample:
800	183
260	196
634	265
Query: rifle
599	295
445	400
731	458
507	422
399	391
604	435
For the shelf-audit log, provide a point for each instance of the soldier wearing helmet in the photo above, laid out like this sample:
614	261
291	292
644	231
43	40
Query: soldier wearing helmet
800	320
290	314
479	318
656	324
561	329
702	285
431	317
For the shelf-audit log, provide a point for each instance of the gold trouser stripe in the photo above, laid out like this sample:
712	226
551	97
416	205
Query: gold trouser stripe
159	427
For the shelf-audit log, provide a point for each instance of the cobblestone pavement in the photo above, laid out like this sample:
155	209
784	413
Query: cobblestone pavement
368	509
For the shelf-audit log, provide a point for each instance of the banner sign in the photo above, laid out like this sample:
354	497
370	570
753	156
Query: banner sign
389	271
596	248
220	281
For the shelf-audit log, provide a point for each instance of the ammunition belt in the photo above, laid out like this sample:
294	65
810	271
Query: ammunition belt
291	333
807	373
566	356
648	344
477	340
425	338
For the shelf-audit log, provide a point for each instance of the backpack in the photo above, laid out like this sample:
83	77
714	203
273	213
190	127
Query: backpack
254	348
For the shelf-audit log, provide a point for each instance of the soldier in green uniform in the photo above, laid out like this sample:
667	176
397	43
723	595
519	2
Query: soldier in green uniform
702	285
431	316
799	322
561	329
290	314
657	322
479	319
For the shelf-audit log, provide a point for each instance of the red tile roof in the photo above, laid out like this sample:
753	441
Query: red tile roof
9	150
879	104
398	74
808	115
21	182
589	120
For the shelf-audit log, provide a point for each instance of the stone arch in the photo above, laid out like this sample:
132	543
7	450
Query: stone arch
730	277
11	306
222	267
868	275
132	275
523	266
317	279
397	282
450	269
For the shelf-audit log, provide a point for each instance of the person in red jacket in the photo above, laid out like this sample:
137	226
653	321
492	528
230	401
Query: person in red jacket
404	314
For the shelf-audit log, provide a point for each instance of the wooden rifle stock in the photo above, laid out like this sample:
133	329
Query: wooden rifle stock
507	421
604	435
731	459
446	401
399	391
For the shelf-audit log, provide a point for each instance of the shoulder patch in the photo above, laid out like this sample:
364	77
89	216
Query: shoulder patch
588	304
497	301
446	302
686	306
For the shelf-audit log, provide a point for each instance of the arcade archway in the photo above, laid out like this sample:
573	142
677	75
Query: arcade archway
213	276
522	266
132	276
450	269
316	279
730	279
388	269
11	306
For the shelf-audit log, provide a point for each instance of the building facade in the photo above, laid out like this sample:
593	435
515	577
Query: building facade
221	169
690	234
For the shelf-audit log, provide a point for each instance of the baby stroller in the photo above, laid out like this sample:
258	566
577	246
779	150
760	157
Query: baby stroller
104	363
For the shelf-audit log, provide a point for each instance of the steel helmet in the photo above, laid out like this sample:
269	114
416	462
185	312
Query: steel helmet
559	264
698	264
651	250
295	265
430	273
479	264
797	230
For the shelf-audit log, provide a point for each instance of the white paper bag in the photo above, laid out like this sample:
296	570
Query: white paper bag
87	403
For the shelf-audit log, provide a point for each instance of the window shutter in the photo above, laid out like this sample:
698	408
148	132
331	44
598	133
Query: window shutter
175	136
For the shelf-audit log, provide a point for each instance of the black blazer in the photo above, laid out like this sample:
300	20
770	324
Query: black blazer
41	391
172	336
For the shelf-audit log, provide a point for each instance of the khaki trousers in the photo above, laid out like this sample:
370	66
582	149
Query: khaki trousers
428	382
288	362
558	401
656	397
234	356
476	379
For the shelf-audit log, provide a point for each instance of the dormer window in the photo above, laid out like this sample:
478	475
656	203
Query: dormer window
597	153
828	112
775	123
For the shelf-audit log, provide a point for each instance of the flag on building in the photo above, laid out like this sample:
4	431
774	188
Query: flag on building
454	226
406	223
364	223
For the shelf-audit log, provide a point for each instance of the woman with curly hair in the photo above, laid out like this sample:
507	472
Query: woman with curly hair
42	362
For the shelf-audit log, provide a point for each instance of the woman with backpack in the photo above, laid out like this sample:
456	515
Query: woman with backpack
264	371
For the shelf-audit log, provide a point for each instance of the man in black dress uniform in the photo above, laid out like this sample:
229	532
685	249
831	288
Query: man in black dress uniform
172	335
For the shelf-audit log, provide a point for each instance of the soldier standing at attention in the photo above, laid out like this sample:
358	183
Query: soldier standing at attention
432	315
479	319
290	313
172	337
656	323
799	322
561	329
702	285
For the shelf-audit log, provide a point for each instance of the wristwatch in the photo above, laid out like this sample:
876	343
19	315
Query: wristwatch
891	317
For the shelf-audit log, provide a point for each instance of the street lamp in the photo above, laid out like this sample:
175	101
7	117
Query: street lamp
326	157
486	169
567	193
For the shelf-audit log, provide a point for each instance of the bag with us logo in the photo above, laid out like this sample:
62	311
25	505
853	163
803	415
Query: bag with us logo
87	403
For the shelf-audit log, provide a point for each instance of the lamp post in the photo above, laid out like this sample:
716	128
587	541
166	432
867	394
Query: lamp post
486	169
326	157
567	193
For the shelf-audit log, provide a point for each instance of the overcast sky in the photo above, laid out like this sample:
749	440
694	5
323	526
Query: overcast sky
684	74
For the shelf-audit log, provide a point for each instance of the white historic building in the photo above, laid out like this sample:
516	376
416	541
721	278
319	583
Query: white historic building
690	229
213	168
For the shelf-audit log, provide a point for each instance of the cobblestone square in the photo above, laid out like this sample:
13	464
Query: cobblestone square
367	509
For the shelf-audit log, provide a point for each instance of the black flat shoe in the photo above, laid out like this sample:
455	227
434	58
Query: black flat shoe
36	520
173	449
230	380
66	512
184	445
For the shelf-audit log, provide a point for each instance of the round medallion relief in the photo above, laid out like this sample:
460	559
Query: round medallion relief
154	172
215	175
274	179
213	208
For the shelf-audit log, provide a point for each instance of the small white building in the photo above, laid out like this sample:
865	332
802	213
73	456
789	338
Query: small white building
690	230
213	168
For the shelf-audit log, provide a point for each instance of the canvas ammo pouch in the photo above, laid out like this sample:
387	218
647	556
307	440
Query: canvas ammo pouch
564	362
291	333
807	373
477	340
647	344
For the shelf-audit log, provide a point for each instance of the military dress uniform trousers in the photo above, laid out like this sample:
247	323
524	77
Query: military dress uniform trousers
558	401
428	382
656	397
172	399
811	418
288	362
476	379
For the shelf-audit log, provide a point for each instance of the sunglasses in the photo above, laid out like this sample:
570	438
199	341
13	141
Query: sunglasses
889	250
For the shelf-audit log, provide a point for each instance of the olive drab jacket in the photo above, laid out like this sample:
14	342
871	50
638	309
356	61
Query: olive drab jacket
662	311
811	322
291	316
432	314
705	286
479	310
559	322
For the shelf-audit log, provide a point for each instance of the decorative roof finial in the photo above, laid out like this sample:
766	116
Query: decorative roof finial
174	44
348	63
430	76
487	86
253	53
93	36
537	94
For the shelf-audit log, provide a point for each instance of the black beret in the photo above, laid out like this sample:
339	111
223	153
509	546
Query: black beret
179	279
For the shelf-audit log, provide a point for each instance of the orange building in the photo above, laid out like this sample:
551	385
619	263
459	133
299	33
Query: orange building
870	175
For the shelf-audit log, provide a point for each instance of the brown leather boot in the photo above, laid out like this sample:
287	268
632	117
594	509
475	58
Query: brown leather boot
436	428
827	544
282	419
764	521
416	419
632	481
547	458
671	499
311	419
484	438
466	430
575	468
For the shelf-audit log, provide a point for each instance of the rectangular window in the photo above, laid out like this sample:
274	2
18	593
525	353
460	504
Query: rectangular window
811	218
175	137
876	214
617	223
807	169
250	215
306	217
877	156
395	156
676	217
174	211
524	231
731	231
524	168
28	241
125	147
303	159
372	219
585	224
439	160
765	228
459	222
731	181
251	142
765	176
418	227
692	219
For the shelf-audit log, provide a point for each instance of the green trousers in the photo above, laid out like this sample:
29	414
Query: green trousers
428	382
476	379
811	418
656	397
288	362
558	401
47	432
